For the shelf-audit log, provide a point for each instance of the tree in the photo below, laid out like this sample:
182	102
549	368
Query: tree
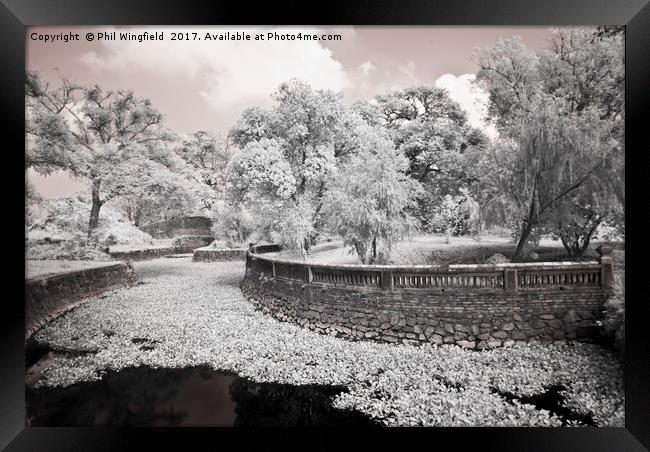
233	223
495	185
32	198
206	156
97	135
159	193
426	125
287	156
368	202
261	178
564	156
576	224
433	133
562	110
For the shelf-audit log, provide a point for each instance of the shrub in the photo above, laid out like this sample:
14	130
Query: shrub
497	258
457	215
232	224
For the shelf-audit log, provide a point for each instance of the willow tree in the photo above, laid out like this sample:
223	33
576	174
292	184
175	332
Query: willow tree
97	135
561	109
559	158
370	198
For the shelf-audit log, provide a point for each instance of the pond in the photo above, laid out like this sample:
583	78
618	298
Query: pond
198	396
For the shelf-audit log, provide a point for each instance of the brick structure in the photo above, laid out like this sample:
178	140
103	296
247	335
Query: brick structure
191	226
474	306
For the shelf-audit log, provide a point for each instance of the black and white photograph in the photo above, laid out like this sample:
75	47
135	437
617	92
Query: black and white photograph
339	226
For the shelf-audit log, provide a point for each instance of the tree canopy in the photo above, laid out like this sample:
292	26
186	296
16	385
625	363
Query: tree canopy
559	112
106	137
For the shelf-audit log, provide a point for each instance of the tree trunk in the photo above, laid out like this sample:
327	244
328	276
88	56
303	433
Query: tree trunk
94	210
360	252
567	245
528	225
522	241
573	246
374	249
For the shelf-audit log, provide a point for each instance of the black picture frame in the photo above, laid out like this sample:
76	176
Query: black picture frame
15	15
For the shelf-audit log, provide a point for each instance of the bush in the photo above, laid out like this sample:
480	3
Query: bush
232	224
497	258
457	215
67	250
610	231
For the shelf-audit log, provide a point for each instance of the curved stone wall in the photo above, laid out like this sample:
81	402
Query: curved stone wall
474	306
49	296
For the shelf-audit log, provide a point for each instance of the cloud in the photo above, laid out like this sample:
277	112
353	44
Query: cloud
229	74
471	98
366	68
408	70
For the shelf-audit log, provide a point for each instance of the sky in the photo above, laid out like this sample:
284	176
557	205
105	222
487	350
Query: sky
206	84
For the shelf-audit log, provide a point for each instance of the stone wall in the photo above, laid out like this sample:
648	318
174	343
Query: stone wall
145	254
182	245
187	244
196	226
49	296
216	255
474	306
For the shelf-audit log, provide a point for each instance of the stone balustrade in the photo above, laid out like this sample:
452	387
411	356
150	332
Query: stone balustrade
475	306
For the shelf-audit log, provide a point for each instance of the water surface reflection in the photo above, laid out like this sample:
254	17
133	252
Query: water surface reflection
198	396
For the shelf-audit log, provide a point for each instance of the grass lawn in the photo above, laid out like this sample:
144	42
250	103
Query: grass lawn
437	249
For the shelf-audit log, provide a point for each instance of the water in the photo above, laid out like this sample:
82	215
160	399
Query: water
196	396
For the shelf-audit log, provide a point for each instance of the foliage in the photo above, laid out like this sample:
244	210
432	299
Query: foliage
232	224
288	224
261	169
433	133
63	232
32	199
160	193
206	157
288	155
560	115
101	136
611	231
576	226
368	200
457	215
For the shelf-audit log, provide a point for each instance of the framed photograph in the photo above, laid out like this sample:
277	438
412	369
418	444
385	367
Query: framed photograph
401	217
